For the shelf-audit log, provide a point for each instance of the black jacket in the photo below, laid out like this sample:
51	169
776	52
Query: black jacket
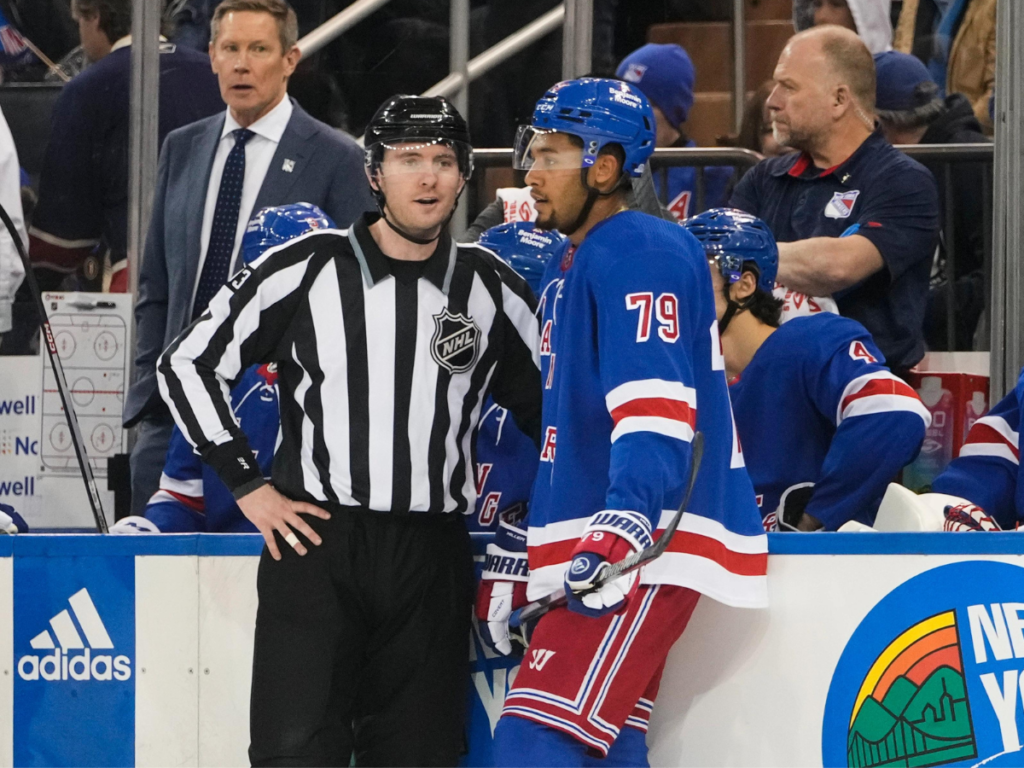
958	125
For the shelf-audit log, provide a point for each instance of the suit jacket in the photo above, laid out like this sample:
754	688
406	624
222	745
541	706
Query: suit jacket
327	171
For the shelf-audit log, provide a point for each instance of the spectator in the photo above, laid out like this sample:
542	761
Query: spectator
957	40
809	397
848	180
12	270
264	151
910	111
664	73
756	129
82	214
870	19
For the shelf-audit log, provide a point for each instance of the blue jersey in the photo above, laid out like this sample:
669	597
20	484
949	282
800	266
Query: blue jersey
987	471
824	425
632	366
506	464
191	497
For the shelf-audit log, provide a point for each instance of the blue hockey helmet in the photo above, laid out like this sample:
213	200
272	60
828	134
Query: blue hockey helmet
734	238
525	248
276	225
598	111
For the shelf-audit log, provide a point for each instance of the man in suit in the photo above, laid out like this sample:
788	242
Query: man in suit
213	174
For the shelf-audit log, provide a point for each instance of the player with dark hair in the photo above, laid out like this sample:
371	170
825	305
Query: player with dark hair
631	370
388	338
824	425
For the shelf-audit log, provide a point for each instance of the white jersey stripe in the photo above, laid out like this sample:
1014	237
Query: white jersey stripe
380	354
329	323
650	388
662	426
995	450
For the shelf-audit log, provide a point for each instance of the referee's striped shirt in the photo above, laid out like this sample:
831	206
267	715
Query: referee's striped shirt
382	376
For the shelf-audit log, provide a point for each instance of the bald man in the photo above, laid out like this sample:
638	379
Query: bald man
854	217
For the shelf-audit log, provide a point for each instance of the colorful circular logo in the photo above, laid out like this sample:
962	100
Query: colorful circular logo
934	674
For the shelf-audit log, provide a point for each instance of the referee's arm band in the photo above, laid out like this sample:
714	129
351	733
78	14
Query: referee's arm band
236	466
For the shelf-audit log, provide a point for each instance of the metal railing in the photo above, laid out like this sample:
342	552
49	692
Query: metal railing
948	156
337	25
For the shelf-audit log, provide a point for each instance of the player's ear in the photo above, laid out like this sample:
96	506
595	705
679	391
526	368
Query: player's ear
744	287
606	171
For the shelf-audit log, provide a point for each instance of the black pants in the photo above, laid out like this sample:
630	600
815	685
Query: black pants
362	645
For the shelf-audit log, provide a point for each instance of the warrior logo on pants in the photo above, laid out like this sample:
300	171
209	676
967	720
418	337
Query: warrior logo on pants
455	342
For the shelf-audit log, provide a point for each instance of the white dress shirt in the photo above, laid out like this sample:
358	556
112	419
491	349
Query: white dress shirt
258	154
12	271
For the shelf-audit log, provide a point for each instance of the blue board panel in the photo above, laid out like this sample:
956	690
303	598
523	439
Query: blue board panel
74	650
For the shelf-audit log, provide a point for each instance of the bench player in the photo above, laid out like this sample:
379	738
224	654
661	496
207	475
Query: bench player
632	367
824	425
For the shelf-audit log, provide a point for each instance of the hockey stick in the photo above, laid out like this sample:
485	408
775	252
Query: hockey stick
62	383
628	564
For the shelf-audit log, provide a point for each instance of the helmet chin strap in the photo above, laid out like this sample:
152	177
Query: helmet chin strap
592	194
732	309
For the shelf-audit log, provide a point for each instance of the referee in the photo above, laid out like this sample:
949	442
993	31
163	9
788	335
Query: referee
388	338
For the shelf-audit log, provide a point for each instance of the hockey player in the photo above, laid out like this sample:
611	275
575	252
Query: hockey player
823	423
191	498
632	368
506	458
987	471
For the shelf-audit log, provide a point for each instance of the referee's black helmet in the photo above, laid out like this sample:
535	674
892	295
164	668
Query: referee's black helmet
424	119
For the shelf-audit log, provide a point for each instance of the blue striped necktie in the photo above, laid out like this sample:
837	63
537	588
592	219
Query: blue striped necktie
225	224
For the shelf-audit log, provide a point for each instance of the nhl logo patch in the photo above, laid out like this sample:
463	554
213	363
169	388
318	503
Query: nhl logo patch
456	341
841	204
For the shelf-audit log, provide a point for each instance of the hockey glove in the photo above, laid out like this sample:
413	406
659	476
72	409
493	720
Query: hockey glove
10	521
609	537
967	517
503	588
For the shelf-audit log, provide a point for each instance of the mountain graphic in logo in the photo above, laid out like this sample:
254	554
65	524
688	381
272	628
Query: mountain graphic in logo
912	707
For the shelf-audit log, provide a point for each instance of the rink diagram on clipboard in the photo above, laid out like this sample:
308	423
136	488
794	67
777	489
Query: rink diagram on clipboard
92	348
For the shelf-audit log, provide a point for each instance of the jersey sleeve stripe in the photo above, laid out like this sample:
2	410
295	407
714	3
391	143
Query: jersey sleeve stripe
195	503
880	392
670	427
650	389
992	436
188	487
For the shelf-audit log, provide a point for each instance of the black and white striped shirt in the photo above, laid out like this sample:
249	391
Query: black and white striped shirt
382	379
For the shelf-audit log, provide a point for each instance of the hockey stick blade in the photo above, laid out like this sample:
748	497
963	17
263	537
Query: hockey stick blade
62	383
628	564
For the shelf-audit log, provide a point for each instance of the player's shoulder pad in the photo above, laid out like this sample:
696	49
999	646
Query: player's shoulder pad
827	336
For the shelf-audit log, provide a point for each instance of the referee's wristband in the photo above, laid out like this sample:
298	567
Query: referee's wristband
236	466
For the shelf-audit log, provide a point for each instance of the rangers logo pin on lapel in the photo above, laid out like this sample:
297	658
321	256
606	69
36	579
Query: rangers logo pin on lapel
456	341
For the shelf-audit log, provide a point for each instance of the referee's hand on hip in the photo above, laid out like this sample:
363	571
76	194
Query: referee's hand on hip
269	511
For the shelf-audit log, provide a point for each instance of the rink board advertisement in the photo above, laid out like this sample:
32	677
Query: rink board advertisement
877	650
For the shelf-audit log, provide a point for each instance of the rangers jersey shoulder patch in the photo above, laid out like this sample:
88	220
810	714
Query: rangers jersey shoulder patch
456	341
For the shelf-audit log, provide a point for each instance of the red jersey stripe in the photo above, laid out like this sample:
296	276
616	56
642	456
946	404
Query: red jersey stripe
661	407
983	433
881	386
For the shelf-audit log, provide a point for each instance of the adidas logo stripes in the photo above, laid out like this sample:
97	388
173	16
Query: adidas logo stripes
60	664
